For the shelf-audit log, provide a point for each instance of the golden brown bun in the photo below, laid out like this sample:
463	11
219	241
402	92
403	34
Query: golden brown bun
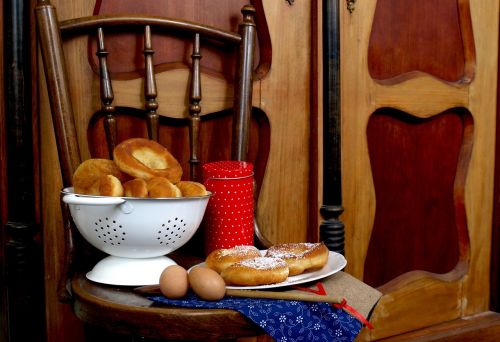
300	257
191	189
87	175
109	185
162	187
222	258
256	271
146	159
135	188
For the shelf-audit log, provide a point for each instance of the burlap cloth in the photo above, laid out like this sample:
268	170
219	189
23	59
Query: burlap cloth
358	295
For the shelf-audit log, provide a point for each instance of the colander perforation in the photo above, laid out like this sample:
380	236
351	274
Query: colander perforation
109	231
171	231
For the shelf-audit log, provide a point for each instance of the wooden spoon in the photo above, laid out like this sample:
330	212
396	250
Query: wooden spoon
287	295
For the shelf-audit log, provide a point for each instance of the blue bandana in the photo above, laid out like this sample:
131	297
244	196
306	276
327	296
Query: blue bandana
283	320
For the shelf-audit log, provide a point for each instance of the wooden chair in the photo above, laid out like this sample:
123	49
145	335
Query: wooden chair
117	308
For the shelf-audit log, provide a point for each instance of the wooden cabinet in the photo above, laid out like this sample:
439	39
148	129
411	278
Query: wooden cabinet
418	92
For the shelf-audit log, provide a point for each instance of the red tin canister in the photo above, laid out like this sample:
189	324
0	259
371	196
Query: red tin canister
229	218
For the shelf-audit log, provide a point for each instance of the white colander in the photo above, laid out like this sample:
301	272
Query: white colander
137	233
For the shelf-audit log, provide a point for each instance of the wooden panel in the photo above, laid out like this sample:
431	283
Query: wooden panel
417	298
173	94
484	328
171	53
405	34
284	95
414	164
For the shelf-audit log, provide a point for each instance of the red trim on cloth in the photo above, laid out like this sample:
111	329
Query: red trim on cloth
320	290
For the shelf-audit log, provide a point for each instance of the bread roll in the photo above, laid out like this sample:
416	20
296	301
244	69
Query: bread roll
159	187
192	189
109	185
146	159
86	177
300	257
135	188
256	271
222	258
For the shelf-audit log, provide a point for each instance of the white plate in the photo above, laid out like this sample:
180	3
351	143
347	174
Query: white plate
335	263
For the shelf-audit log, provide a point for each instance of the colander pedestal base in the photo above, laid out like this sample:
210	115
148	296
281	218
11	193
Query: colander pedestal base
115	270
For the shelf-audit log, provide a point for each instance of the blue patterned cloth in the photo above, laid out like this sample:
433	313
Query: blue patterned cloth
283	320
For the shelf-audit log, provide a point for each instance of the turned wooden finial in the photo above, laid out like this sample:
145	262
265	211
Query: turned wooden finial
248	12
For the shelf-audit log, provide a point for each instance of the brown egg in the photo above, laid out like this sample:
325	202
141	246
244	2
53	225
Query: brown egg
174	282
207	283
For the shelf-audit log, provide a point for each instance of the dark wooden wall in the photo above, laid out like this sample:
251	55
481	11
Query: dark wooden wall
22	280
495	240
3	192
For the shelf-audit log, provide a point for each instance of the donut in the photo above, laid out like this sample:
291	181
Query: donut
87	174
136	187
109	185
192	189
161	187
300	257
256	271
144	158
222	258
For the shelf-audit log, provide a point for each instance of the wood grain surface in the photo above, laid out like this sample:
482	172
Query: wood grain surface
429	36
418	193
417	298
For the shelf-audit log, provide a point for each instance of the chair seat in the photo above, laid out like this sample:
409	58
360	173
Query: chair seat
128	312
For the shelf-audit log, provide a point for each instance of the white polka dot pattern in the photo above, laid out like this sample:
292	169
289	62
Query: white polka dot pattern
230	211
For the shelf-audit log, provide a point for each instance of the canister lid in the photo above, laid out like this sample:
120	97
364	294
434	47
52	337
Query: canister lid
227	169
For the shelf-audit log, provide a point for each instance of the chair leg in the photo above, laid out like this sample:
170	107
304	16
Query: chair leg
97	334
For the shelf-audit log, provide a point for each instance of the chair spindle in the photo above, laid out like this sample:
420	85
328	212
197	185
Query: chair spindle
244	81
150	92
194	107
106	93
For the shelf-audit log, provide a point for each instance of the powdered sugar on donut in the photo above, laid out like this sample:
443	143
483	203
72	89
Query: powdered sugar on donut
263	263
238	250
291	250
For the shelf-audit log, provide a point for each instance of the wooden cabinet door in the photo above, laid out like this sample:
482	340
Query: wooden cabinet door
418	90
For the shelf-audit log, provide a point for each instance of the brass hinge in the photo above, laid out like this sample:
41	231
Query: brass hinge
351	4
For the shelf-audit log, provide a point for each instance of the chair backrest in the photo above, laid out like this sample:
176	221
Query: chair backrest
51	36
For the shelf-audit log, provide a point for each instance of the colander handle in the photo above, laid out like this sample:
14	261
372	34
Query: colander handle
79	200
